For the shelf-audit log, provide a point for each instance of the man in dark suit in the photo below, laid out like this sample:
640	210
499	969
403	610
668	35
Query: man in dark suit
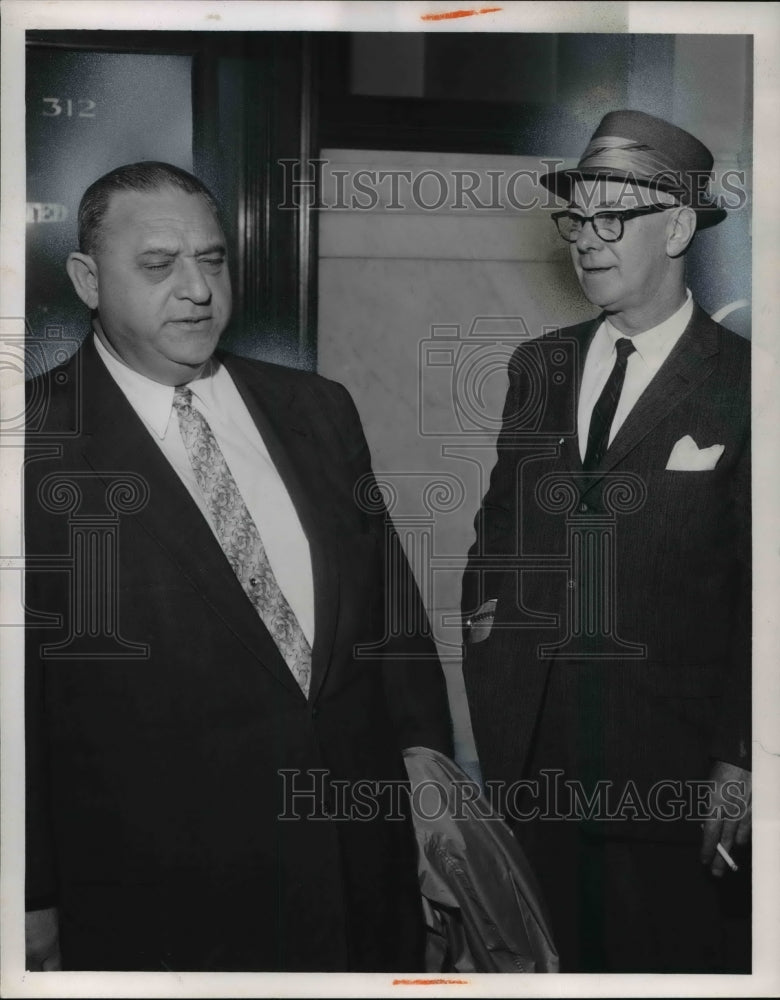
216	708
608	591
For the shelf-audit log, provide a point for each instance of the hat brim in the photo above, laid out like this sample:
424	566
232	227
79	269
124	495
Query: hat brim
559	182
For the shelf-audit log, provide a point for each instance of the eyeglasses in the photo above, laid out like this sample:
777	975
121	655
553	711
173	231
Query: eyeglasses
607	225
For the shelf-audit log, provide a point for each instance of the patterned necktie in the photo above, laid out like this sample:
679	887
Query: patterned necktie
606	406
239	537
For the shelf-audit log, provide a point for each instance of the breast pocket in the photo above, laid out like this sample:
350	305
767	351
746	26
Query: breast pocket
690	501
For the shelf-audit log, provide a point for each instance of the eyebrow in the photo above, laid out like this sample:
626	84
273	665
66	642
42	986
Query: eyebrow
215	248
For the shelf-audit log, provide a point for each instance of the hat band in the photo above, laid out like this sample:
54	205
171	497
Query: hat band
627	156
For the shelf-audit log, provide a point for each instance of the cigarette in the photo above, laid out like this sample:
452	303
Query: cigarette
727	858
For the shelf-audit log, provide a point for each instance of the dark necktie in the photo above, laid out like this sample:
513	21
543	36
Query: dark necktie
239	537
606	405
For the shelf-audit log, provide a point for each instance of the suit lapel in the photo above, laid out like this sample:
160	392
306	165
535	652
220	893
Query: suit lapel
283	416
583	335
115	441
691	361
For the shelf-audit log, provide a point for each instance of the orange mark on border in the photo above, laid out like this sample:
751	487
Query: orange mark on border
445	16
429	982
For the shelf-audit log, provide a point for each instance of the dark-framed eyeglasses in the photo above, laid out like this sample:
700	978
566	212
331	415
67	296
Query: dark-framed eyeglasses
608	226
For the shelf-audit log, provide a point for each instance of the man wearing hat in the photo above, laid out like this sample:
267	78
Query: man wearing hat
607	594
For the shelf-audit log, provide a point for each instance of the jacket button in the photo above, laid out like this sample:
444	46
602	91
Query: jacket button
314	713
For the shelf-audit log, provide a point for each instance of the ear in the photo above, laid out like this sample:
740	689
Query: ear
82	271
681	231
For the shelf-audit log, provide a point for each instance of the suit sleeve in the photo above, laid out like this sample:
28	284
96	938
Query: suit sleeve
732	741
496	523
40	871
413	678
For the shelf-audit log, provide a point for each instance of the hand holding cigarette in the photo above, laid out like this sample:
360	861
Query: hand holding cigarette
727	857
729	818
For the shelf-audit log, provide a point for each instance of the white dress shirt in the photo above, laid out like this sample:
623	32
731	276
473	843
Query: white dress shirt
653	347
215	395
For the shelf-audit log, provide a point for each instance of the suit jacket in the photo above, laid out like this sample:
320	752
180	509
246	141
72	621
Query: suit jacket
166	735
621	644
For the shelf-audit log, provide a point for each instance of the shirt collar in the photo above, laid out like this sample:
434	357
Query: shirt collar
151	400
653	345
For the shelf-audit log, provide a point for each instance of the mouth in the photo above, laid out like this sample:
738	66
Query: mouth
193	321
595	270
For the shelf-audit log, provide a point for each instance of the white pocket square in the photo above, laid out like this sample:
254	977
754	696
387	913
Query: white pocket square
686	456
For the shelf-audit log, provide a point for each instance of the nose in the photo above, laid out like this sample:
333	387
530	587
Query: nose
192	283
588	238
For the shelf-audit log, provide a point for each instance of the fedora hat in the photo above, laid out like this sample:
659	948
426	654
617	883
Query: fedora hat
636	147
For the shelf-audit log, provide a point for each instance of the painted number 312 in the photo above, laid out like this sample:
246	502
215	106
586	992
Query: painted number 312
57	106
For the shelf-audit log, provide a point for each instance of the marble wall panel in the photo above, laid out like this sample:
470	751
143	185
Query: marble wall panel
418	316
